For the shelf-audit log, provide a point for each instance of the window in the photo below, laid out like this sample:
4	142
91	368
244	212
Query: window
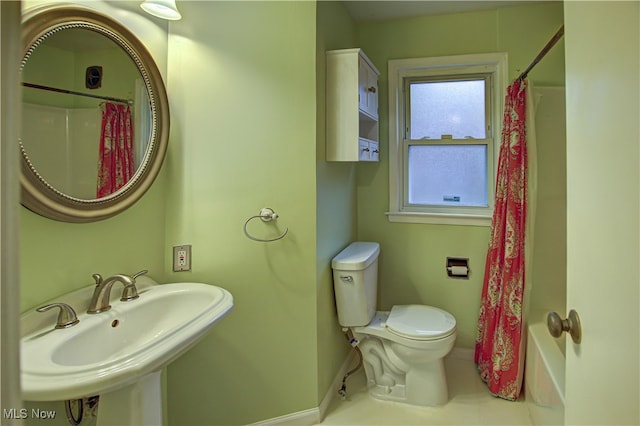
444	127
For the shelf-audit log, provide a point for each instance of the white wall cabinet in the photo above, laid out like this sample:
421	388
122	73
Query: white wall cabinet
352	107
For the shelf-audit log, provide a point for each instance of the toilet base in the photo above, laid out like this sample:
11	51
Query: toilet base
426	387
389	378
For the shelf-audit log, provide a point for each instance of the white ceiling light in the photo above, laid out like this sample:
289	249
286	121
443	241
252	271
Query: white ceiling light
165	9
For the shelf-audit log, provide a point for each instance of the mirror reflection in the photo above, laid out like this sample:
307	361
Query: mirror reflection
86	113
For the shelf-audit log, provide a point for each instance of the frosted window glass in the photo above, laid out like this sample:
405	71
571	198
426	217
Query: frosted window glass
454	108
448	175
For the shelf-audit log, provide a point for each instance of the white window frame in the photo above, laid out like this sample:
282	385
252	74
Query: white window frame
445	66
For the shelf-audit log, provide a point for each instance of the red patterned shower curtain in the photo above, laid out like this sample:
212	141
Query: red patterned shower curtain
499	353
115	163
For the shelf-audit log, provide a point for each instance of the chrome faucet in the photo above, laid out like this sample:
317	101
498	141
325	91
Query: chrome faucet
102	293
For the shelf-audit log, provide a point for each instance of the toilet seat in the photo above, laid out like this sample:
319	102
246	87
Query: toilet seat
420	322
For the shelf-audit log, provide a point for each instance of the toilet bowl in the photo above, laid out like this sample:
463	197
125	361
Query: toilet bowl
415	350
402	349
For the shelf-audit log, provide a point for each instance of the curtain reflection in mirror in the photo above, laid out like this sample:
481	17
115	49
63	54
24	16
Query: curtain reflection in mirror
115	163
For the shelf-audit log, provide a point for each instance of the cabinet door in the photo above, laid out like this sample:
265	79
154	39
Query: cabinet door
362	84
374	151
372	92
367	88
364	153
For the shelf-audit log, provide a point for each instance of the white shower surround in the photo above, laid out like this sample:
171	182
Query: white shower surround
67	142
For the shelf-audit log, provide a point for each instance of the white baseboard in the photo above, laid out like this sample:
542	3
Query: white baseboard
336	383
315	415
307	417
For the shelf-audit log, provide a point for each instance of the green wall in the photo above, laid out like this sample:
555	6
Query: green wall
242	90
336	199
65	69
49	66
57	257
412	260
302	348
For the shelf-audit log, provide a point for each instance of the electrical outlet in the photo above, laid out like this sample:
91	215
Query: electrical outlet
182	258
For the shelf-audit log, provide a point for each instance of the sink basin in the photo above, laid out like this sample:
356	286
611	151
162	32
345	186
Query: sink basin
113	349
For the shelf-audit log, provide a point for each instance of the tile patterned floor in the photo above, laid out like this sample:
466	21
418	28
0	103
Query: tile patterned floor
469	404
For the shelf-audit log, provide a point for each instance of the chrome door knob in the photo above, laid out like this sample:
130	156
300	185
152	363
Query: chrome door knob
557	325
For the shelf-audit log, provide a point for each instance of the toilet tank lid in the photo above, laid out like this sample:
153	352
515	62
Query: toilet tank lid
356	256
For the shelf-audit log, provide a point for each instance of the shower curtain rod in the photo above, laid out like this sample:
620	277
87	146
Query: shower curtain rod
542	53
71	92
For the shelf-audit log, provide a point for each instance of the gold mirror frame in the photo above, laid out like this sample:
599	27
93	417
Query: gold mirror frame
38	195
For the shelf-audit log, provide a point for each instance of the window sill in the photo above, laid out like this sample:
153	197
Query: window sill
439	218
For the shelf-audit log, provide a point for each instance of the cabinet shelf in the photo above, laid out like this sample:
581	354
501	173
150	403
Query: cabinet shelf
367	140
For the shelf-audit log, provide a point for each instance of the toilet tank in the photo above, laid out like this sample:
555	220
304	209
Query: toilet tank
355	282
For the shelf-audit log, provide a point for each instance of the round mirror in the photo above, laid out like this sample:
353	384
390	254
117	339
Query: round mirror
95	116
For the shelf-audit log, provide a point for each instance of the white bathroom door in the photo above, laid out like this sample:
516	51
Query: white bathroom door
602	71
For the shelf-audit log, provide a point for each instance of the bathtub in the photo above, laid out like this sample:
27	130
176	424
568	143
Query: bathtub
544	374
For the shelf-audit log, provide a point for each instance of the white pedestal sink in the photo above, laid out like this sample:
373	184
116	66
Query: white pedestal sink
138	404
118	354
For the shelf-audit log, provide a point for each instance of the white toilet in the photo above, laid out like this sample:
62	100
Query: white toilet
402	350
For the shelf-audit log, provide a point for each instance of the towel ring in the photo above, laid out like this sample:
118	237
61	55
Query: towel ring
266	215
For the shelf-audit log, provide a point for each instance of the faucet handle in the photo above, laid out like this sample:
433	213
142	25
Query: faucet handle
66	317
97	278
130	292
143	272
